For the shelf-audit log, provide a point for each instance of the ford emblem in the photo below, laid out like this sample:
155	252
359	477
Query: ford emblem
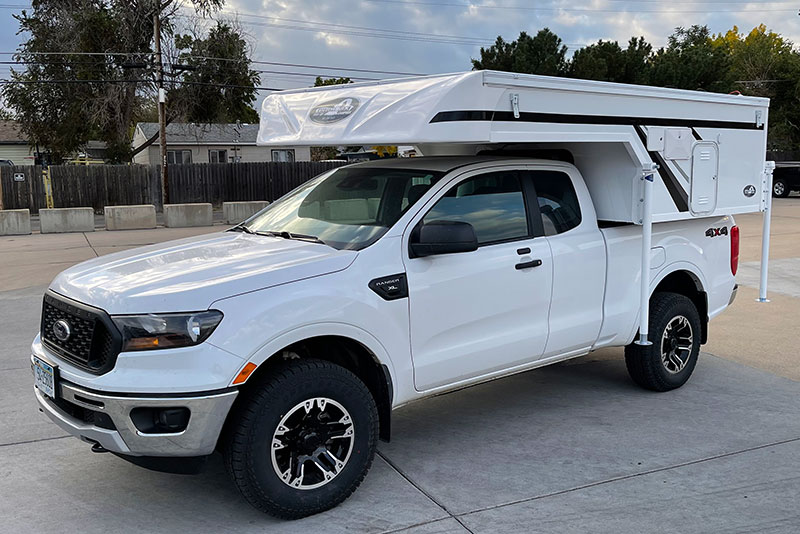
62	330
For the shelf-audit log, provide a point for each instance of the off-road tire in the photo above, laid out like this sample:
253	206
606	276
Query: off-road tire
246	446
644	363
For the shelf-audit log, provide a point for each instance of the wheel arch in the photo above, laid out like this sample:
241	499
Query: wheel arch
685	281
344	345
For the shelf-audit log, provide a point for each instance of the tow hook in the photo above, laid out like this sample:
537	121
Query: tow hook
96	447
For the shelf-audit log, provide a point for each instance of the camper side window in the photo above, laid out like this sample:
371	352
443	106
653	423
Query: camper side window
558	202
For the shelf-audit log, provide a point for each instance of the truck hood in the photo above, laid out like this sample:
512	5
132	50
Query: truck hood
190	274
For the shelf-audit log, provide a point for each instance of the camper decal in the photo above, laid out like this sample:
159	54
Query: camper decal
333	110
749	190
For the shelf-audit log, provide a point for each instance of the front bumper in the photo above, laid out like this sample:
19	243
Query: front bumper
199	438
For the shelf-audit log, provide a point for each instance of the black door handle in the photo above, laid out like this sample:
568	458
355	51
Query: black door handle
528	264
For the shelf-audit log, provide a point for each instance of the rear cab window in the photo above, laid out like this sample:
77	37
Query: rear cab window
558	202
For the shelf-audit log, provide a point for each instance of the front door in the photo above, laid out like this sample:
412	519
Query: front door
478	312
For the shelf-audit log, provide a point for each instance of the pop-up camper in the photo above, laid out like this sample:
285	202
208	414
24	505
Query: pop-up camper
646	154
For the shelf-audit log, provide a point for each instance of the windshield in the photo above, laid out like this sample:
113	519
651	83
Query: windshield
350	208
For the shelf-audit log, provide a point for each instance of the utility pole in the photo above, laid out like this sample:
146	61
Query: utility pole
162	102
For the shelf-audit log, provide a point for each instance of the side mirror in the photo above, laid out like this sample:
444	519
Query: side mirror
443	237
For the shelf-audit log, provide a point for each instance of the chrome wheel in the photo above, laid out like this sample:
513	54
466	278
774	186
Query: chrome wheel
312	443
778	188
676	344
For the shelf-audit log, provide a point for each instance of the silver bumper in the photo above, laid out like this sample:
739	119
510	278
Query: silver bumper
207	415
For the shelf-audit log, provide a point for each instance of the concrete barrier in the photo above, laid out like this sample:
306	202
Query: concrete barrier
136	217
62	220
15	222
236	212
183	215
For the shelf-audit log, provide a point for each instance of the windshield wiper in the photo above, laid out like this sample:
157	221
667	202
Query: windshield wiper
242	228
292	235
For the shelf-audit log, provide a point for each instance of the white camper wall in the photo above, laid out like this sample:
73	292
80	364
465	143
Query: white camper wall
607	126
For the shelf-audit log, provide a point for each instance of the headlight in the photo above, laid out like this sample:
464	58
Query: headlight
166	330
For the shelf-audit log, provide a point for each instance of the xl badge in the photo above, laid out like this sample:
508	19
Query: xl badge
62	330
333	110
749	190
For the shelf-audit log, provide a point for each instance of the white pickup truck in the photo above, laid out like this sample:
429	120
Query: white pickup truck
287	341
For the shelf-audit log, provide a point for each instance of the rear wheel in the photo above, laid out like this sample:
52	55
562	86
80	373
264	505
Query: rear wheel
302	439
675	336
780	188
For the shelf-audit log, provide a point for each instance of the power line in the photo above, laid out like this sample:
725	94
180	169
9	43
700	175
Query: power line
359	33
347	26
177	67
258	62
364	31
573	9
47	82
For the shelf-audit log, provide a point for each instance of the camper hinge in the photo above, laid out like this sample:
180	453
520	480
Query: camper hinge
759	118
515	104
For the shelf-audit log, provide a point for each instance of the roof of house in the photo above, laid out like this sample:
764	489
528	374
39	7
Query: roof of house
187	133
10	134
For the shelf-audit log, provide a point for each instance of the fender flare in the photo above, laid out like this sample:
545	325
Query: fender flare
283	340
665	271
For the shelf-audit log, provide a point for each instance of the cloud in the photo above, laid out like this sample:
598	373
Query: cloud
420	38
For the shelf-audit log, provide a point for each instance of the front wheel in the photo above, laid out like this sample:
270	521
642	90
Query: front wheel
675	336
302	439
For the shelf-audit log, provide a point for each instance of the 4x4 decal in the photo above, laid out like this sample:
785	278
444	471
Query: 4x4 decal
714	232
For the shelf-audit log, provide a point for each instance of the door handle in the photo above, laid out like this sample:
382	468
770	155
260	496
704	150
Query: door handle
528	264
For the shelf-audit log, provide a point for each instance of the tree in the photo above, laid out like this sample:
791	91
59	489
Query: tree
499	56
637	61
542	54
320	81
214	91
602	61
77	90
692	61
764	64
607	61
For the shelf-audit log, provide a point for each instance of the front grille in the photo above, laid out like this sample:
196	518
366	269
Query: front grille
93	341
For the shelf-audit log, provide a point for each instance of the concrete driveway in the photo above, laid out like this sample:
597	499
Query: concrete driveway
574	447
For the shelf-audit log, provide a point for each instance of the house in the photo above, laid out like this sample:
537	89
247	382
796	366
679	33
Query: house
14	146
211	143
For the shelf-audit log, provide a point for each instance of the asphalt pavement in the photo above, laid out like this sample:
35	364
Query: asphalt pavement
574	447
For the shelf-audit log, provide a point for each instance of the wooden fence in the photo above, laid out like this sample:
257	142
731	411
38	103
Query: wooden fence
98	186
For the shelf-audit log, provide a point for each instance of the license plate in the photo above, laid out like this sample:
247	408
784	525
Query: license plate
44	376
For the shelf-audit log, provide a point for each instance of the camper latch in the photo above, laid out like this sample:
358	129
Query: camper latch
515	104
759	118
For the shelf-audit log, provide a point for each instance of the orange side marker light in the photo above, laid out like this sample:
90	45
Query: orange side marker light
244	374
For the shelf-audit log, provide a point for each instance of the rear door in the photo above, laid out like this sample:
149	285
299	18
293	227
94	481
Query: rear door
479	312
578	256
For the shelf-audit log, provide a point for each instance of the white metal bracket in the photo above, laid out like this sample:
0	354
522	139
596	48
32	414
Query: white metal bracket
648	173
759	118
766	194
515	104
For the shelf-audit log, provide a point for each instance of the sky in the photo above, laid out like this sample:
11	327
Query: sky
434	36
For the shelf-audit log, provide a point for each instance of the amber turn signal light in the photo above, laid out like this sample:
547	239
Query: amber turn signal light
244	374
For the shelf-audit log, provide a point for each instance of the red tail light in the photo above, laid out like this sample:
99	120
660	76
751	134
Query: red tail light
734	249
